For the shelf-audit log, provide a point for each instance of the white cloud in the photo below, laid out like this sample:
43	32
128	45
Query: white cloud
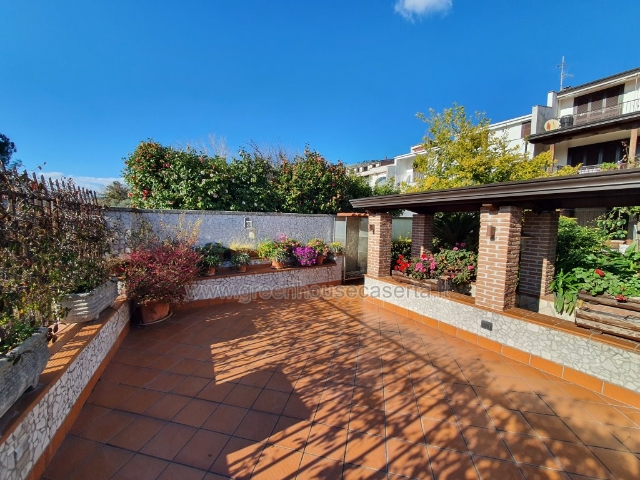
410	9
92	183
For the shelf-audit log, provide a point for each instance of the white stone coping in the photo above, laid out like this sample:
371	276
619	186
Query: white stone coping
607	362
24	446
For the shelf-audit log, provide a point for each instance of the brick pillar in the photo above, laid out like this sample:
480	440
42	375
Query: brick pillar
498	255
379	245
537	259
421	234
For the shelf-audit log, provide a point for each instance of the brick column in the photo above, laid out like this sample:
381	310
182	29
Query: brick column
498	255
538	256
379	245
421	234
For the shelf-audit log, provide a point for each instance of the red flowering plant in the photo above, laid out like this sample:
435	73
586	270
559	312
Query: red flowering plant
159	270
458	264
605	273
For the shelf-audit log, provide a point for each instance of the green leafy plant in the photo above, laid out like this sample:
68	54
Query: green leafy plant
615	222
608	272
319	246
271	250
576	244
336	248
240	259
400	246
54	241
565	286
210	256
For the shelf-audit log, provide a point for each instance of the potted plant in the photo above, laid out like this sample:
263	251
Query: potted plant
211	257
157	277
306	256
321	249
274	251
93	291
24	353
240	261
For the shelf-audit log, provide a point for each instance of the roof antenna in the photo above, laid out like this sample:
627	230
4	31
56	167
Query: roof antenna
563	73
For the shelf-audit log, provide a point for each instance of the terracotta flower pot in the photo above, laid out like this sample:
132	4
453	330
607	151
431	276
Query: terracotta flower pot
277	265
241	268
154	312
211	271
320	259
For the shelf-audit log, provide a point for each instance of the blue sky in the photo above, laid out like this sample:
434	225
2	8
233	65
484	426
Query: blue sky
84	82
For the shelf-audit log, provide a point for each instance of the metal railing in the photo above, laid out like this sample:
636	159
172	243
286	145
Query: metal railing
590	116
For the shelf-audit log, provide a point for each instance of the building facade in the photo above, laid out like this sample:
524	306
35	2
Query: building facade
591	124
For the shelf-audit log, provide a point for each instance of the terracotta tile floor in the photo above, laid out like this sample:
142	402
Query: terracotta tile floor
329	389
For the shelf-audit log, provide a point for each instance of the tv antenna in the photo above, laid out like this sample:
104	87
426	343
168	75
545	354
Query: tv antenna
563	73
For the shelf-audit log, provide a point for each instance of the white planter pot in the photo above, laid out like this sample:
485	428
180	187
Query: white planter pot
16	378
85	307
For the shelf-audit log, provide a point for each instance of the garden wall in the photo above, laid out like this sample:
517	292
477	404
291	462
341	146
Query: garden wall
247	228
568	346
33	438
246	285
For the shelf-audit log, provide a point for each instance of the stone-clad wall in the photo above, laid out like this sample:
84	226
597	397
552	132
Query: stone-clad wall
606	362
245	285
24	446
229	227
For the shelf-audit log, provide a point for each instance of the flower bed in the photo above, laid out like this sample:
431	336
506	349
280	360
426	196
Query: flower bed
444	270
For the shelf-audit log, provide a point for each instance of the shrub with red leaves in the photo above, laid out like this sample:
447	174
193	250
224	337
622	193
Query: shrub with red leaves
161	272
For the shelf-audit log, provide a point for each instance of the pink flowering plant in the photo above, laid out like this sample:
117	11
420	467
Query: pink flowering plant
306	256
457	263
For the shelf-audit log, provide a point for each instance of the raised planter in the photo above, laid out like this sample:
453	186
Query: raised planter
85	307
605	314
22	367
437	284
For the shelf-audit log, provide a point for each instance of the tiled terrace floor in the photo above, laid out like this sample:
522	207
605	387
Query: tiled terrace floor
331	389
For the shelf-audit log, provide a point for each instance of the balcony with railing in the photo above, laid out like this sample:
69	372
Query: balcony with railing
596	115
585	120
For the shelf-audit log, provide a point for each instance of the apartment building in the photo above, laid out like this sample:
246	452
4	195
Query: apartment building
591	124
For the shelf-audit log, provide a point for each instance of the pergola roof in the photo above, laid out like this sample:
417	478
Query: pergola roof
605	189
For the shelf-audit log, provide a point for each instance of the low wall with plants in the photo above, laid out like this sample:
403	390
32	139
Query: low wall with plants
24	446
606	362
245	286
229	228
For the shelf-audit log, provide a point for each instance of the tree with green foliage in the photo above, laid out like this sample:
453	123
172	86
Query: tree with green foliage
252	177
115	194
7	149
460	150
167	178
310	184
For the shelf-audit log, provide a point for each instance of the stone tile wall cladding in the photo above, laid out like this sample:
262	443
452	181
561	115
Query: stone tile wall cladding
245	285
606	362
229	227
24	446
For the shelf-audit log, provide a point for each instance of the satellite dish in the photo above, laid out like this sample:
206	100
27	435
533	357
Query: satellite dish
552	124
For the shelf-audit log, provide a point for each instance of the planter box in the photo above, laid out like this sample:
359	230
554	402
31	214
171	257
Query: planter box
605	314
85	307
437	284
16	378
